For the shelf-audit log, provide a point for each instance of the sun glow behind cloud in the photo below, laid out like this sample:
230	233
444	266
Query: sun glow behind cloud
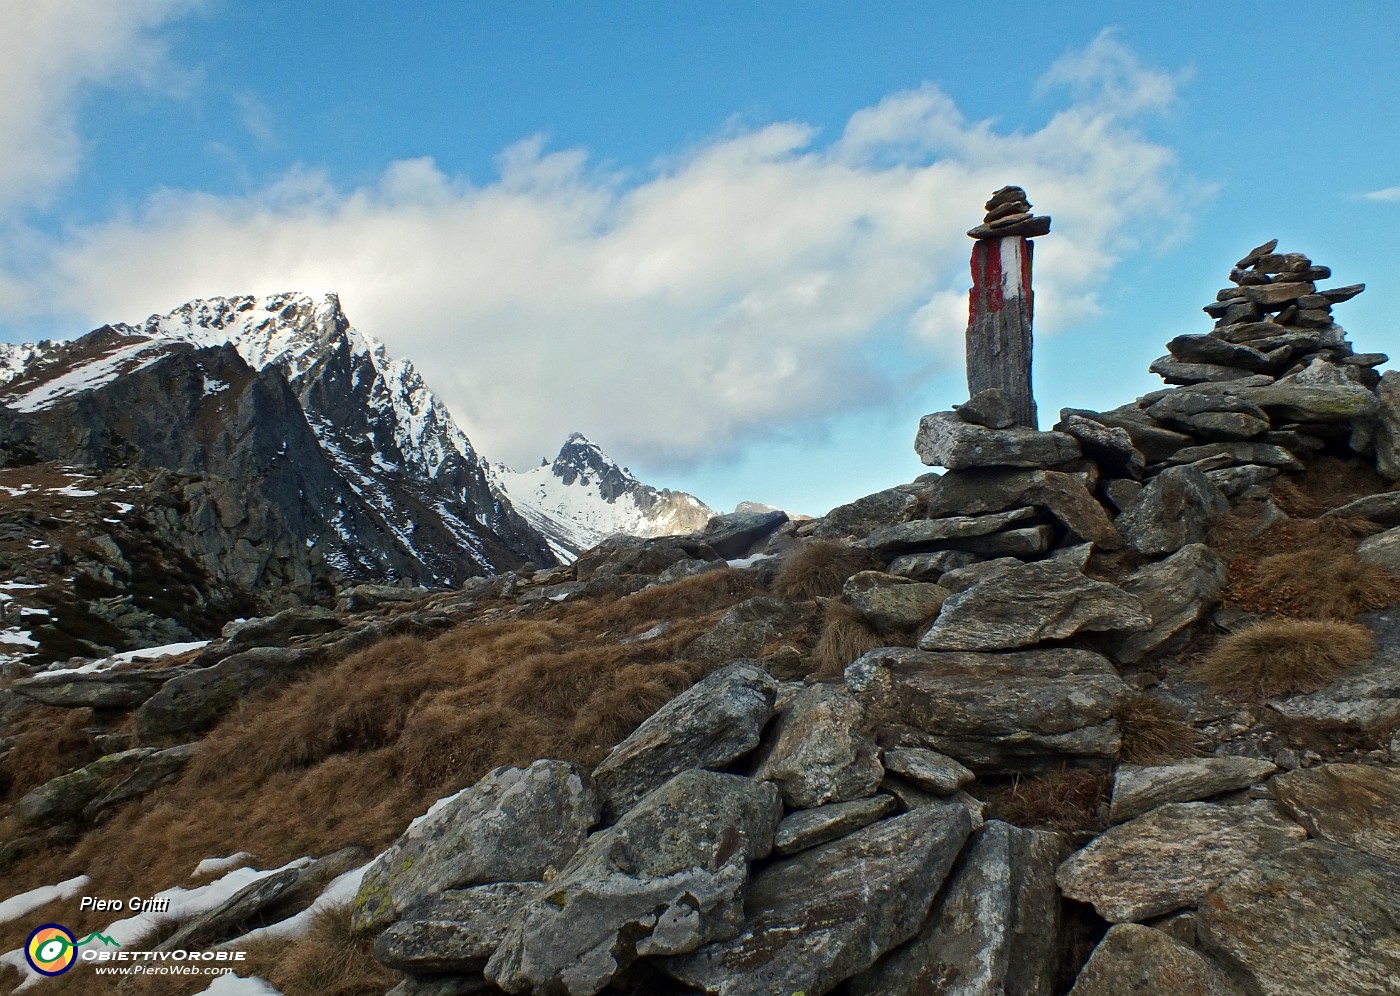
765	278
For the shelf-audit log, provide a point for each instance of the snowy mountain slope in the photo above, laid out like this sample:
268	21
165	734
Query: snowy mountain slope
584	496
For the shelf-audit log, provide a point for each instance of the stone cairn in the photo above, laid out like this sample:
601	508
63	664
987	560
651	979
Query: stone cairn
1000	305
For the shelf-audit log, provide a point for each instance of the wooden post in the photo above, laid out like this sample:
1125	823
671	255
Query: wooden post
1001	304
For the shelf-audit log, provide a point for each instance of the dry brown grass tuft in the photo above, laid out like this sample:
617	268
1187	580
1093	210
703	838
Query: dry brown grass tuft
1283	656
695	595
1327	483
1153	732
333	959
47	751
1325	583
1066	799
845	636
617	708
820	569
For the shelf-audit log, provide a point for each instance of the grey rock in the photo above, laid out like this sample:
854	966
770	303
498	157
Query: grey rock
732	535
1121	493
924	533
1028	542
938	773
455	931
512	826
1212	349
65	797
1135	959
930	566
977	492
809	827
710	725
194	701
747	628
819	752
1256	254
1289	402
1368	695
1030	604
152	771
362	597
1383	509
1383	550
222	922
864	515
441	985
1175	593
1111	448
1172	857
1179	372
1355	805
1136	790
1210	416
280	629
1263	454
996	711
822	916
1235	482
1387	437
666	879
1179	506
115	689
995	929
891	603
965	577
944	440
1316	918
990	407
1155	441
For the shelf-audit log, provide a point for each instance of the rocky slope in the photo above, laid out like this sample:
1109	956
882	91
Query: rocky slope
999	730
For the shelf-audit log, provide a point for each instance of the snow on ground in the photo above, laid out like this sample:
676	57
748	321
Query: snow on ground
211	866
127	656
238	985
340	892
89	375
27	902
18	586
69	491
16	637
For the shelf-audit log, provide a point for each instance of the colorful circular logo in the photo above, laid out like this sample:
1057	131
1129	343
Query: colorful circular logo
51	950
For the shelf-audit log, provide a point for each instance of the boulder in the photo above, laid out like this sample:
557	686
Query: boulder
1383	550
1136	789
995	928
891	603
666	879
1236	481
196	700
810	827
1030	604
1064	496
930	566
151	772
280	629
1210	415
1387	438
65	797
1316	918
990	407
223	922
822	916
1383	509
1179	506
819	752
1175	593
995	712
115	689
921	534
1155	441
945	440
747	628
455	931
1179	372
514	825
733	535
1355	805
1111	448
710	725
1136	959
1368	694
928	769
1265	454
1297	403
1172	857
865	515
1211	349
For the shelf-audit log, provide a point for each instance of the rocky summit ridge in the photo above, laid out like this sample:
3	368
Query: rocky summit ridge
1107	708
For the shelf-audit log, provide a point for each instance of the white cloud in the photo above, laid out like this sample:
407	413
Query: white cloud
1107	74
49	51
1388	194
760	280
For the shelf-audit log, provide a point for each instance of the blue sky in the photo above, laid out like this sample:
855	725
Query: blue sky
722	239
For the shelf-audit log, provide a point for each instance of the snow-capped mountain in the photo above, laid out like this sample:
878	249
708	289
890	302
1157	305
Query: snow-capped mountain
280	404
584	496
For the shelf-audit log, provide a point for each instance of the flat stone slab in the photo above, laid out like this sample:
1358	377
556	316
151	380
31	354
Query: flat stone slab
1316	918
820	917
1383	509
996	711
1136	959
1175	593
1030	604
945	440
123	689
1383	550
1356	805
711	724
919	534
810	827
1172	857
456	931
928	769
995	928
1139	789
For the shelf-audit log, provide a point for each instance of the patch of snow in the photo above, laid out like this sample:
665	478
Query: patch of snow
340	892
70	491
212	866
16	637
27	902
18	586
752	561
123	507
213	386
240	985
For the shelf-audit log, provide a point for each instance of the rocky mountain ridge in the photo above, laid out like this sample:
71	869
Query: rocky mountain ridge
1106	708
